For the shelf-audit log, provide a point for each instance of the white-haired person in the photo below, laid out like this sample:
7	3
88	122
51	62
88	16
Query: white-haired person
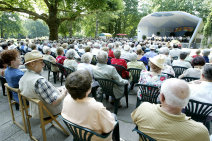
205	54
48	57
165	121
102	70
118	61
154	77
125	54
70	62
110	53
135	64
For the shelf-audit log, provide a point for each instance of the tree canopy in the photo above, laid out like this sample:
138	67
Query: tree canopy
54	12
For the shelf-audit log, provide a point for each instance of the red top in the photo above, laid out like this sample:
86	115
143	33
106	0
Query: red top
194	56
121	62
110	54
60	59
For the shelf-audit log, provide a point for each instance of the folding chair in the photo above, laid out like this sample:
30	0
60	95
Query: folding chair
21	107
49	65
3	81
143	136
64	71
43	121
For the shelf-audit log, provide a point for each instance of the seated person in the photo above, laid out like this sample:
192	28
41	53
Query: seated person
181	62
153	77
33	85
197	63
198	51
121	62
166	121
134	63
48	57
202	91
102	70
70	62
205	54
60	58
87	111
12	73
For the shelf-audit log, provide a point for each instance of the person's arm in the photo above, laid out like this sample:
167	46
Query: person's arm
48	92
116	77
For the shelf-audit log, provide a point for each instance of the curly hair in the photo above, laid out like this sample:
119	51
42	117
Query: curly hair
9	55
78	83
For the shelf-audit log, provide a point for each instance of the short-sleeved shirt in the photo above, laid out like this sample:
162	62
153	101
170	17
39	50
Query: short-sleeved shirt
60	59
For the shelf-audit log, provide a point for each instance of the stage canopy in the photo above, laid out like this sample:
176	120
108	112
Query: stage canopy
169	22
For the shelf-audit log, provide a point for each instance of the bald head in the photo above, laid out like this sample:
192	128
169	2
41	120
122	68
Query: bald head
176	92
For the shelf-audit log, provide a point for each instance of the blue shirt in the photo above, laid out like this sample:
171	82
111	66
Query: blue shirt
12	77
150	54
206	59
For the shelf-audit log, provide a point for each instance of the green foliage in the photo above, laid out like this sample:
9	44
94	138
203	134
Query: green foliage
208	29
10	25
36	28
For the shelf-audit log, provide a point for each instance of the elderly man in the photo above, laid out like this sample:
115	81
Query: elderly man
33	85
151	53
202	91
102	70
181	61
165	121
126	53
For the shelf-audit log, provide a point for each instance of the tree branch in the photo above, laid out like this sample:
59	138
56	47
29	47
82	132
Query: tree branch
10	8
47	3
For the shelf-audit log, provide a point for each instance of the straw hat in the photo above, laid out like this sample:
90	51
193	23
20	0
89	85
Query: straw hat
152	47
32	56
158	60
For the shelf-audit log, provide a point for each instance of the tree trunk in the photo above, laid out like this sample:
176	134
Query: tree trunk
53	31
70	29
2	32
97	27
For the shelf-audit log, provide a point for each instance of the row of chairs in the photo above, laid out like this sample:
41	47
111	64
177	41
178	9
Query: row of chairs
63	70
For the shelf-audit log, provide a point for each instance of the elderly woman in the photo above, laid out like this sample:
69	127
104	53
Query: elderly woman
135	64
153	77
70	62
205	54
12	73
197	63
121	62
60	58
88	112
110	53
48	57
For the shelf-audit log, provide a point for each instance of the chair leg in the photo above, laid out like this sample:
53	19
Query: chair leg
126	93
116	134
42	122
116	105
55	77
48	74
138	102
61	79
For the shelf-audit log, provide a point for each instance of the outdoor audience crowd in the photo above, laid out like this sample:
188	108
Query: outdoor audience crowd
93	59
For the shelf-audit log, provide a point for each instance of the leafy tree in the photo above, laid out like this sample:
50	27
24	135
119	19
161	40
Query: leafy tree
10	25
54	12
36	28
208	29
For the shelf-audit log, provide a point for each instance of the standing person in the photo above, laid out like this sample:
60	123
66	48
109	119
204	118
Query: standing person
12	73
33	85
165	121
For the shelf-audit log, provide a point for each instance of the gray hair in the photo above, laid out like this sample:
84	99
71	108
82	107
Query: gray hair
46	49
206	52
134	56
164	50
70	54
117	54
86	58
176	92
207	71
110	45
102	57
